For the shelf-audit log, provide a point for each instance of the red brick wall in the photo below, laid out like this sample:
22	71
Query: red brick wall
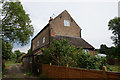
44	33
91	52
58	28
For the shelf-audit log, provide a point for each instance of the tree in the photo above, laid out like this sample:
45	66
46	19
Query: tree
114	26
7	50
59	53
30	50
103	48
16	24
62	53
18	53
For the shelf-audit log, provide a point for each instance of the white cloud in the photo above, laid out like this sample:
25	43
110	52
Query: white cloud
22	48
69	0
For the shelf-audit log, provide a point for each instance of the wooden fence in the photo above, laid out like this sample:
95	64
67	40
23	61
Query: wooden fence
67	72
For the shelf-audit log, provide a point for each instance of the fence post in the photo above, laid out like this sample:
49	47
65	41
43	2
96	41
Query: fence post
104	71
50	70
67	65
67	71
50	64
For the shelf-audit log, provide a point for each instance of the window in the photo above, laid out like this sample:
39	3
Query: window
38	43
33	46
43	39
38	70
86	50
66	23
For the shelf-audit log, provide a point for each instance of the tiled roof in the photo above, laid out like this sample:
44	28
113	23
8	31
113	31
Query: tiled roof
32	52
76	41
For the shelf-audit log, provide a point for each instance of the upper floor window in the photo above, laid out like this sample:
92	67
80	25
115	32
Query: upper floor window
38	43
66	23
33	47
43	39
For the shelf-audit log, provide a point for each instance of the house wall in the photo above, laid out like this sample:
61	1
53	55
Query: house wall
91	52
44	33
27	65
57	26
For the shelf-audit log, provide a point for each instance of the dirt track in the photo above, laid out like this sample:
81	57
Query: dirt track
15	72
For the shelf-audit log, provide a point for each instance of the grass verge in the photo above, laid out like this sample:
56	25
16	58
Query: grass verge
115	68
11	63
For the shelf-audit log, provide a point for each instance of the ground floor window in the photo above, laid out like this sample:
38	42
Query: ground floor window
86	50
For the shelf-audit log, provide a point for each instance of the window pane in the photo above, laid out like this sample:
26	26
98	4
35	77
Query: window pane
38	43
66	23
43	39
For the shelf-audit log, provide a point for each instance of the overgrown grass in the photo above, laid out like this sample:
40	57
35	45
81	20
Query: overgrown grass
11	63
43	77
115	68
29	73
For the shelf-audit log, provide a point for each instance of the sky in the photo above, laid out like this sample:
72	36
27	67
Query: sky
91	15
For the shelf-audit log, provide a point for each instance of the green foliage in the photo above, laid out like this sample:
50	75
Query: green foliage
18	53
62	53
43	77
114	26
7	50
101	61
29	73
109	51
29	50
19	60
86	61
103	48
14	56
16	24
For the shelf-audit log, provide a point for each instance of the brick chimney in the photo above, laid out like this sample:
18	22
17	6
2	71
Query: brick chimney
50	19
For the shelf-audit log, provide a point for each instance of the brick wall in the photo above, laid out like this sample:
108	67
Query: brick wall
64	72
58	28
91	52
44	33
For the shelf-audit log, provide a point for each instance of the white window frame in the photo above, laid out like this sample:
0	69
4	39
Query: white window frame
43	39
37	42
66	23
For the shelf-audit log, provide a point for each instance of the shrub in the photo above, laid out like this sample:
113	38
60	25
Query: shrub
62	53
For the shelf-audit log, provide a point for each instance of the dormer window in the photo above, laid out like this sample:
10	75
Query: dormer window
66	23
43	39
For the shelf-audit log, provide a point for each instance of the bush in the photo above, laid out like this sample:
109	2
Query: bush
19	60
44	77
29	73
62	53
